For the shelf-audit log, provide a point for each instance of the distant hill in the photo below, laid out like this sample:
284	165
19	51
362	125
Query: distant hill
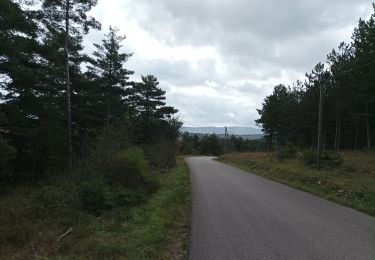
238	130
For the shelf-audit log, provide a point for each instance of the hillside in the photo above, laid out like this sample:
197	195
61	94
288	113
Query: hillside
238	130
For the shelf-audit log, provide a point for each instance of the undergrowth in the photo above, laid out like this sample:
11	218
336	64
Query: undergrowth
66	217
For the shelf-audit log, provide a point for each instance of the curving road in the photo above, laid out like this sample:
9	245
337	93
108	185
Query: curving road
237	215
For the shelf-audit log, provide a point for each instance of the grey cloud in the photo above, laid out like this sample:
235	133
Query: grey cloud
270	19
213	111
249	31
259	44
176	72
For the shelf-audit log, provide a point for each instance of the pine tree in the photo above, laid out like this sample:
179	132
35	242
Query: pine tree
108	74
69	20
25	101
364	43
148	100
154	119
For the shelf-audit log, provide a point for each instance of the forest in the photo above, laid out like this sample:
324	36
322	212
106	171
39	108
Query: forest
347	79
84	148
59	102
212	144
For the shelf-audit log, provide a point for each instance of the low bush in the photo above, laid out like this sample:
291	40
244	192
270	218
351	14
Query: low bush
54	196
129	168
329	159
309	158
125	182
98	195
161	155
92	195
288	152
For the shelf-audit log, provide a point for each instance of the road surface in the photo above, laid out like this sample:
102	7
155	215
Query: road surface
237	215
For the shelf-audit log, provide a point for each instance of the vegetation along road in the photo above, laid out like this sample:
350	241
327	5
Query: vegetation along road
237	215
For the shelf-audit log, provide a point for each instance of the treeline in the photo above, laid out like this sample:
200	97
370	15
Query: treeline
290	113
63	109
214	145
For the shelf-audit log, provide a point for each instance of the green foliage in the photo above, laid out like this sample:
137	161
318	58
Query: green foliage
108	221
210	145
148	100
290	113
146	234
109	119
129	167
187	146
118	178
33	92
329	159
216	145
288	152
97	195
161	155
309	158
108	77
8	153
155	121
53	197
92	195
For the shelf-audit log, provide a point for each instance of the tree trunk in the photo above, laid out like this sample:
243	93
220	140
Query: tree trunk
278	140
368	132
320	126
69	149
109	89
336	146
339	134
312	142
356	139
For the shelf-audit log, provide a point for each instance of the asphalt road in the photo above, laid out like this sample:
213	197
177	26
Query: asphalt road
237	215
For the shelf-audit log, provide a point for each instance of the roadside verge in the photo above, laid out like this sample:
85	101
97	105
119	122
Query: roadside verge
351	185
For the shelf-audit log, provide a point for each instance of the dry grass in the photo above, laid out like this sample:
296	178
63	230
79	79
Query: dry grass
352	184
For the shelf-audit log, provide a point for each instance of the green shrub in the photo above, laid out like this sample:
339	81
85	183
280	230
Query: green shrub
125	181
97	195
54	197
161	155
129	167
329	159
123	197
309	158
288	152
92	195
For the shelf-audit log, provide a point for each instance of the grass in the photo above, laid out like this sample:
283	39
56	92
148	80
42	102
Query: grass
352	184
156	229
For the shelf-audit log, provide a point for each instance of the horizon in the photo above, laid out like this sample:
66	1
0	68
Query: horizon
210	126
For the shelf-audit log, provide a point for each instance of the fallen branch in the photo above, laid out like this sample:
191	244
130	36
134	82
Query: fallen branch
66	233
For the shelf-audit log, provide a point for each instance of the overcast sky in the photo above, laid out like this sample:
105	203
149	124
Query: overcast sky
218	59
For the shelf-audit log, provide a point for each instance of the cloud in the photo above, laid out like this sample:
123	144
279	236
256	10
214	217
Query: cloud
218	59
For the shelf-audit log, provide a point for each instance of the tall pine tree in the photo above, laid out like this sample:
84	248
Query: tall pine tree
109	77
68	19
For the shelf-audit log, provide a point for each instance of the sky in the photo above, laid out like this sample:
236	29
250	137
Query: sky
218	59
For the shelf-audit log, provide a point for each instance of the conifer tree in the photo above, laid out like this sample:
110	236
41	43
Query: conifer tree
109	76
69	20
